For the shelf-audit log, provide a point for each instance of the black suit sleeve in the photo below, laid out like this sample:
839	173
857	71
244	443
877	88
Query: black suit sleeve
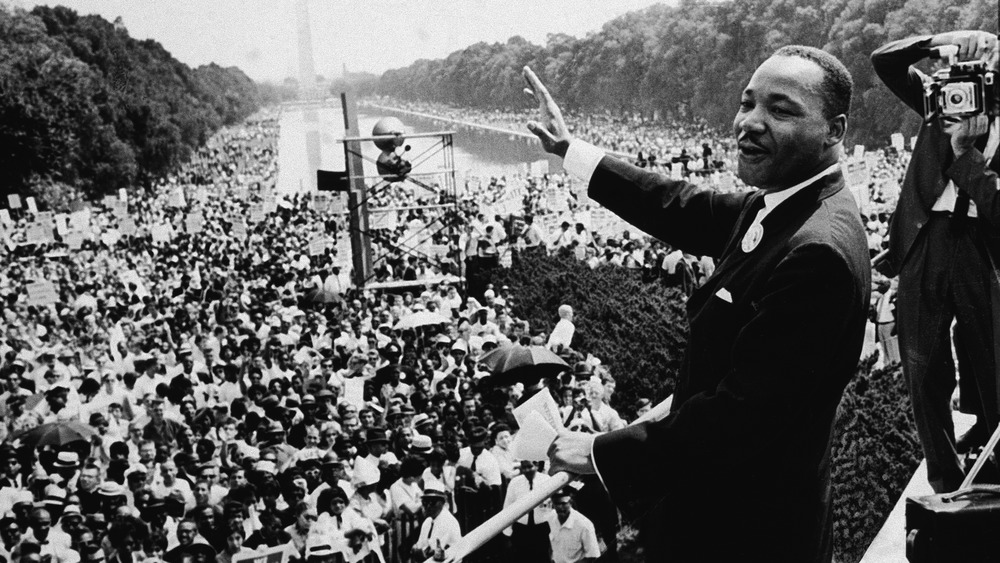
971	174
781	383
695	219
894	62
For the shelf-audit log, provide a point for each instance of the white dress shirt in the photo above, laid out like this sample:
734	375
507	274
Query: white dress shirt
574	539
486	465
445	529
519	488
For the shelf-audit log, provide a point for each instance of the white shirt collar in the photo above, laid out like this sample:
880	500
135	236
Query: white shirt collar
773	199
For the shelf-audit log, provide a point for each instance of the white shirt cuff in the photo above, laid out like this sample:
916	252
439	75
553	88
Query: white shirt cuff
593	460
582	159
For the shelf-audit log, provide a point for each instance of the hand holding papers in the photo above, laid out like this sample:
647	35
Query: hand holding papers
538	419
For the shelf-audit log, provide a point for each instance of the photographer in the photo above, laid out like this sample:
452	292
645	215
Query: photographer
944	246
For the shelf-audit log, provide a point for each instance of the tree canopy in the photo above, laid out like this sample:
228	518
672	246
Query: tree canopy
692	59
87	106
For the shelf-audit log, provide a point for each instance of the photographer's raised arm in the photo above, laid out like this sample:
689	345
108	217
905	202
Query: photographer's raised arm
894	61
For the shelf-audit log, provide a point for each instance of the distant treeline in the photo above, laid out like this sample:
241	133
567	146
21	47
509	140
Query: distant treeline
693	59
87	109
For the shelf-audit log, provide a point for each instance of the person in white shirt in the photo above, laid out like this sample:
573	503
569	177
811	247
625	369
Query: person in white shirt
405	493
501	450
481	463
440	529
562	334
529	536
571	534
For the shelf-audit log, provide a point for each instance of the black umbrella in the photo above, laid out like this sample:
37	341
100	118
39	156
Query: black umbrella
56	434
512	364
322	296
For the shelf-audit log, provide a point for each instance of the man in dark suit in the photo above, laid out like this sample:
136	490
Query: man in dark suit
943	244
739	470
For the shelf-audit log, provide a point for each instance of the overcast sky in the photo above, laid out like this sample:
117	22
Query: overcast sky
259	36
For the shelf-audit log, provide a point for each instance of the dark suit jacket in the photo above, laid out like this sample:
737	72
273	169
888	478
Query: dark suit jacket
933	163
739	471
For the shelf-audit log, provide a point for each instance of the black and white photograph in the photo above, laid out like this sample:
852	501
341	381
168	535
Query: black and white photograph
403	281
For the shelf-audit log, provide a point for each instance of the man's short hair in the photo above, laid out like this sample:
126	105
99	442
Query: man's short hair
837	84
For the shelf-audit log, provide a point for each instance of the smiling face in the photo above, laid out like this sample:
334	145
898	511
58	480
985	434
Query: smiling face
783	135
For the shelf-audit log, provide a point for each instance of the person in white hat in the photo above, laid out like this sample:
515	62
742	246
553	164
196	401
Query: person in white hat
440	529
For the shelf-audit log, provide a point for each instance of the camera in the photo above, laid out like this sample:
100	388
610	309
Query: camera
962	89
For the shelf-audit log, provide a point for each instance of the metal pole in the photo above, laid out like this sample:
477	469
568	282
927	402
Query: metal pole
361	241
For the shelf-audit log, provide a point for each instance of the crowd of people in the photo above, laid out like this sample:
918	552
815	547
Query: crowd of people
221	389
183	391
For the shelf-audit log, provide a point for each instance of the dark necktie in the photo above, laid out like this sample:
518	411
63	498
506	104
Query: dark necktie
430	530
473	466
340	522
961	213
531	513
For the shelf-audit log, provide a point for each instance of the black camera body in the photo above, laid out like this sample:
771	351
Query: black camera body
962	90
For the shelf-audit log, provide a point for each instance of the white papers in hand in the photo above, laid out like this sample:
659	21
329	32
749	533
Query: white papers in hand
532	441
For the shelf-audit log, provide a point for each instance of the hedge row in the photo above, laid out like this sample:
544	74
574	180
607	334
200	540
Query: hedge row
639	330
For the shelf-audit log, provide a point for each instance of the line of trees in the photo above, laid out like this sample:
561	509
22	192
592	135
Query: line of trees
86	109
692	59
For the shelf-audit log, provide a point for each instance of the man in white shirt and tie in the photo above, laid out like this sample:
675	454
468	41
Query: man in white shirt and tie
440	529
529	536
483	465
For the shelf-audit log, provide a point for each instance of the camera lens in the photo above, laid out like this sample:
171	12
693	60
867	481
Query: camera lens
956	98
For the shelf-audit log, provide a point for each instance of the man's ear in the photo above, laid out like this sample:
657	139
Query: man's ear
836	129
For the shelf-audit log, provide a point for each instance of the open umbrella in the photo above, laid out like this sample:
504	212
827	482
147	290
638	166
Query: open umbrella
322	296
55	434
420	318
514	363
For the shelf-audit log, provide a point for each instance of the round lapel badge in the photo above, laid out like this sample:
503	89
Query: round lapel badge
752	237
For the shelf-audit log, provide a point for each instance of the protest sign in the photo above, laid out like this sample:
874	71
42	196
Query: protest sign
549	224
14	201
73	240
128	227
111	237
257	213
80	220
317	246
897	141
162	233
540	167
41	293
338	203
354	391
239	229
62	223
193	223
859	152
177	198
270	203
857	174
5	217
38	233
383	220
